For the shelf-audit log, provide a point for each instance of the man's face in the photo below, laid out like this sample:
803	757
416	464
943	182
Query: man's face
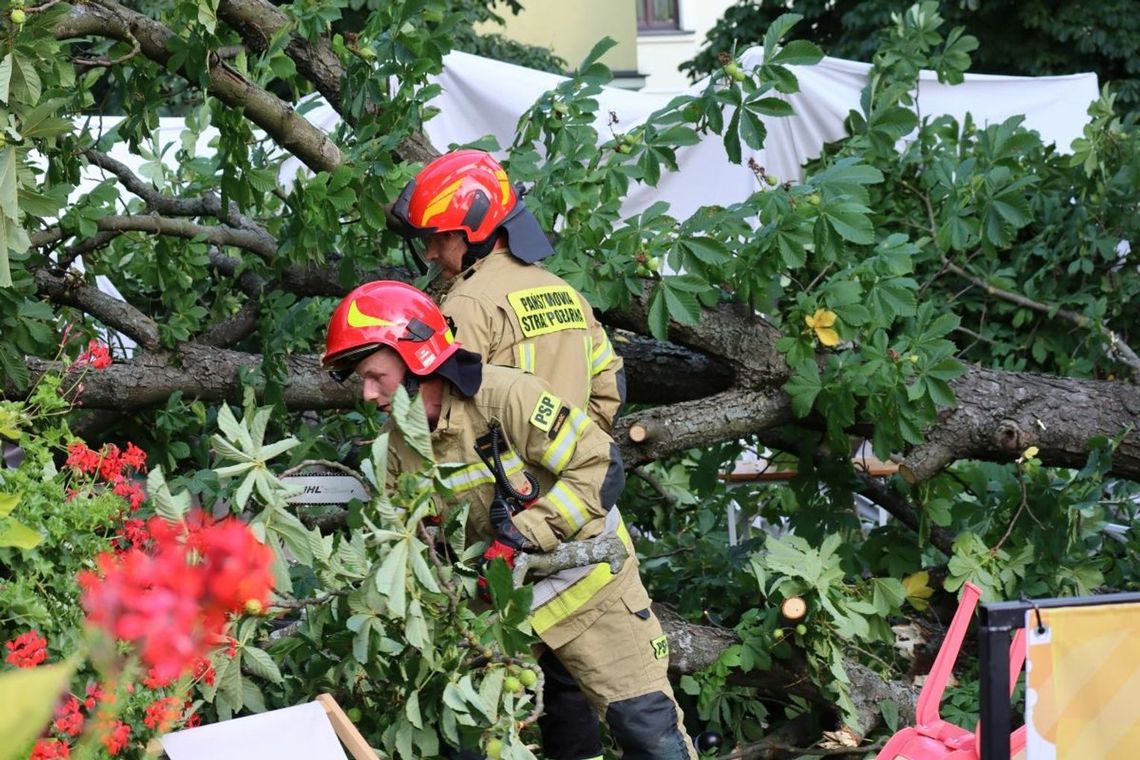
446	249
383	372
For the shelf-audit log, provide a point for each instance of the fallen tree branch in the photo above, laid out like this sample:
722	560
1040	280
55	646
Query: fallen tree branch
109	310
591	551
1116	344
290	130
258	21
249	240
202	205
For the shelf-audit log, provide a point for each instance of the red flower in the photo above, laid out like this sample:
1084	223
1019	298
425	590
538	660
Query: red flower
96	355
132	492
163	714
134	457
135	535
204	671
49	749
153	681
173	602
94	695
81	458
115	737
111	466
68	718
27	650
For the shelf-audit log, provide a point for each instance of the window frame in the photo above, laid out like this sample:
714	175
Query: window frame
648	23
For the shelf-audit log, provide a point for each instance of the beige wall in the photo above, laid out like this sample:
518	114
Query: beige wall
572	27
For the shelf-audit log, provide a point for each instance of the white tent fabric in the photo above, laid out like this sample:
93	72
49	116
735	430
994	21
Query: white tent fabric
481	96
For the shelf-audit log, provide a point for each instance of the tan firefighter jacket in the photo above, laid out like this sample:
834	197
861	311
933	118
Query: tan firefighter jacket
521	315
577	475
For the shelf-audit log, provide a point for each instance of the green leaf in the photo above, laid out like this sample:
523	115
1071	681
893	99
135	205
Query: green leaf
752	130
410	419
41	122
499	580
9	201
29	696
258	662
803	387
771	107
658	314
168	506
706	249
776	31
600	48
798	53
8	502
682	305
16	534
391	579
851	222
5	77
888	594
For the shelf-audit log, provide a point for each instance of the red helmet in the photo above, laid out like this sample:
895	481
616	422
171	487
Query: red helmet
465	191
392	314
468	191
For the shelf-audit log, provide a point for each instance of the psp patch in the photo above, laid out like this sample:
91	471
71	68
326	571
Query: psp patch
660	647
543	415
547	310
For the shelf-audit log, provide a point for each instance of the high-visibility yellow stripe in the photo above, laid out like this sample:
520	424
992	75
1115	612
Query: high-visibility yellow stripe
558	453
562	606
601	356
469	476
571	508
526	357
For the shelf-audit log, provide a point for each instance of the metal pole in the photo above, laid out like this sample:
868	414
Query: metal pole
993	651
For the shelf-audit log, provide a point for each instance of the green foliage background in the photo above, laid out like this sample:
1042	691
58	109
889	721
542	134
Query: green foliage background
870	235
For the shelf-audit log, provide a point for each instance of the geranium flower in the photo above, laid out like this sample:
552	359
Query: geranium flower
97	355
50	749
81	458
822	323
173	600
163	714
68	718
27	650
115	736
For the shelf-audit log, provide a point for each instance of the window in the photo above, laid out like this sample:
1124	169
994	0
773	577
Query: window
657	15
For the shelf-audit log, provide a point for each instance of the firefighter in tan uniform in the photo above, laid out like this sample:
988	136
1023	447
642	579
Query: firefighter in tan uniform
597	623
461	214
464	213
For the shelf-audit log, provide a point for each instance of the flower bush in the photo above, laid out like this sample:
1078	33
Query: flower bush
117	614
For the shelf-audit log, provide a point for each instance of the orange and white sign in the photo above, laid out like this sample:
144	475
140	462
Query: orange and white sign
1083	693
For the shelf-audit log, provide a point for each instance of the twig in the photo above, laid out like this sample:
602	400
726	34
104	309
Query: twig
136	48
767	747
1116	343
655	484
297	604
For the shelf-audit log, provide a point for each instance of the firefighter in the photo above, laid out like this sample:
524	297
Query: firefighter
462	214
598	624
